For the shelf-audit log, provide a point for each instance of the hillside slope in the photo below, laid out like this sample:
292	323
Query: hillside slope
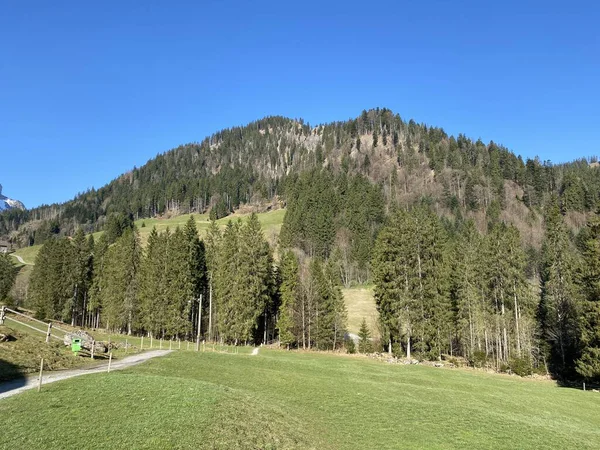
409	161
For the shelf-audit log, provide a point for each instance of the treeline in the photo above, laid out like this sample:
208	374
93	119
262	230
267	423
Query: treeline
228	284
334	215
445	289
239	165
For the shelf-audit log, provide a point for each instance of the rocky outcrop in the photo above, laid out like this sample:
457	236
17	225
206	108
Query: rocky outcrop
87	341
9	203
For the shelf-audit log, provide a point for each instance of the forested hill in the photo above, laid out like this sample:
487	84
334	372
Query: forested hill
409	162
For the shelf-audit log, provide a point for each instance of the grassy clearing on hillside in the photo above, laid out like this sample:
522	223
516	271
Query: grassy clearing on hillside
271	224
284	399
19	289
28	253
360	303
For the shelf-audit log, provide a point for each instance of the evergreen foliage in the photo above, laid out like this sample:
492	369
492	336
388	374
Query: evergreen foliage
8	274
558	309
447	228
588	364
364	338
289	293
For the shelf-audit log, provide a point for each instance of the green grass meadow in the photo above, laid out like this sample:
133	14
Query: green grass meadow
284	399
271	222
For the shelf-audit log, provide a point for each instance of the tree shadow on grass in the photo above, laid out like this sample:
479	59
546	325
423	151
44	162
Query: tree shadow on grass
11	377
589	385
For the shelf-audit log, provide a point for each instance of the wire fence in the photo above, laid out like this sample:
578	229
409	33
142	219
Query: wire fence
30	323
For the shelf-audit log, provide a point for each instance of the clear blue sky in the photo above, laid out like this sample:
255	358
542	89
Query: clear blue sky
90	89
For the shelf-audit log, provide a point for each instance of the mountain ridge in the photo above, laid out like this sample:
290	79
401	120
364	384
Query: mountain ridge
244	164
9	203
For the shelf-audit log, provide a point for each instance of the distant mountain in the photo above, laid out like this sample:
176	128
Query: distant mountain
8	203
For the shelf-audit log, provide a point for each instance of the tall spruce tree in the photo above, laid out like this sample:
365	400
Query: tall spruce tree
558	308
119	284
289	294
588	364
466	290
255	273
226	285
213	243
51	283
197	266
94	306
152	283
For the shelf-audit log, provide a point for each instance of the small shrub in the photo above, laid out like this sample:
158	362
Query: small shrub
521	366
350	346
143	225
397	350
376	345
478	359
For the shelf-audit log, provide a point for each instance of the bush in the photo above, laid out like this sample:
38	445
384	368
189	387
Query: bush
350	345
478	359
521	366
397	350
376	345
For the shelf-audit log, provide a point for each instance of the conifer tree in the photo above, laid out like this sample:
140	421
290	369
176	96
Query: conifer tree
152	283
289	293
364	338
51	283
338	306
254	277
94	306
559	295
467	288
226	285
82	269
179	283
8	274
197	265
119	284
212	250
588	364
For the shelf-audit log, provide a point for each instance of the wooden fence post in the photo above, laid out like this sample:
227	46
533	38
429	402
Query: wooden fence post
93	347
109	361
41	374
2	314
142	344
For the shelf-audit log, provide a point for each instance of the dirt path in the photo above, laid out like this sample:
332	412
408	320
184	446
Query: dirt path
21	260
14	387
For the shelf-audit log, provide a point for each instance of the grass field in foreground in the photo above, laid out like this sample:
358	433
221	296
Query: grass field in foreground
284	399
